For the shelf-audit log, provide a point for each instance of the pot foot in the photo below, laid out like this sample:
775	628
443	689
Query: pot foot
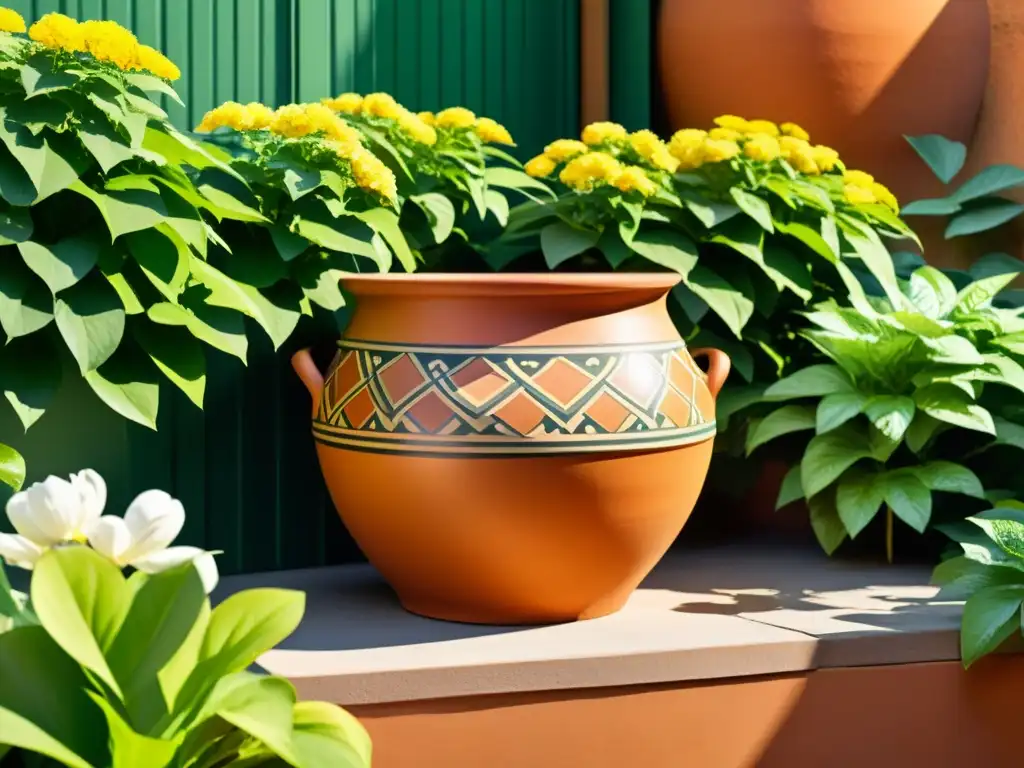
496	616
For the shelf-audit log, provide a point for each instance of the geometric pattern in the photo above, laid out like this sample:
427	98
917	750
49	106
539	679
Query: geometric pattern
511	400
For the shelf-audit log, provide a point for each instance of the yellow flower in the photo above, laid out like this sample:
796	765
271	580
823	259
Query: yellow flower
325	120
633	179
885	197
427	117
583	172
687	146
55	30
717	150
372	175
417	129
259	116
540	167
11	21
349	103
493	132
381	105
763	147
153	61
859	178
652	149
564	149
725	134
762	126
859	195
799	154
792	129
598	133
455	117
731	121
109	41
228	115
825	158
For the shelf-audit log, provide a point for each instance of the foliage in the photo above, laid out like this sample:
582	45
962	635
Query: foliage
12	467
989	575
903	404
102	670
756	220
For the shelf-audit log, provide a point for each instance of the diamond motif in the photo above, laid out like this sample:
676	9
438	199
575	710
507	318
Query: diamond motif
478	382
521	413
359	409
430	413
345	378
401	379
562	381
680	374
640	378
675	408
608	412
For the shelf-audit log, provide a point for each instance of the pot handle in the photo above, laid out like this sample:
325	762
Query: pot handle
304	366
719	366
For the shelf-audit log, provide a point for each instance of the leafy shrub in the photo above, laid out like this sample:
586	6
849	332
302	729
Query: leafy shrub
900	379
12	467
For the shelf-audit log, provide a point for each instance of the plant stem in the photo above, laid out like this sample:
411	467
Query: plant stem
888	533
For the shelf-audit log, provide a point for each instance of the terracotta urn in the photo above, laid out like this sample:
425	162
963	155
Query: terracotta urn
518	448
857	74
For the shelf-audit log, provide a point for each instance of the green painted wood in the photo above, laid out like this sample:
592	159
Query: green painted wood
245	467
631	49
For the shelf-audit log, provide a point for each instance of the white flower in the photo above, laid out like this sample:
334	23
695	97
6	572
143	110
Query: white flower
142	537
52	512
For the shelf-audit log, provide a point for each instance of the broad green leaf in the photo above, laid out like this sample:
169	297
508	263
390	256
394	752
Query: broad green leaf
615	250
175	673
813	381
218	327
151	84
125	211
128	748
873	253
25	303
258	705
164	258
995	178
512	178
825	522
560	242
61	265
288	244
980	293
16	187
12	467
942	206
1011	342
932	292
992	213
992	264
960	577
16	226
949	477
908	497
91	320
344	234
385	222
1008	433
128	384
951	404
858	499
53	163
43	705
177	354
943	156
836	410
179	149
440	213
104	143
788	271
728	303
754	207
81	600
954	350
326	736
324	289
990	617
785	420
497	204
30	373
792	488
891	414
1004	527
300	181
37	78
828	456
669	248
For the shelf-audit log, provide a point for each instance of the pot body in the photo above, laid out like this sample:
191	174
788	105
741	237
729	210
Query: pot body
514	449
859	75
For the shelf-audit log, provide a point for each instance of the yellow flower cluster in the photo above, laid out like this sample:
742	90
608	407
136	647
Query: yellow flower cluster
540	167
455	117
105	40
652	149
585	171
493	132
372	175
297	120
349	103
861	188
383	105
599	133
11	21
427	117
633	179
564	149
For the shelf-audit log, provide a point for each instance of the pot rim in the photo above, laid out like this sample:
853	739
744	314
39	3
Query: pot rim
514	283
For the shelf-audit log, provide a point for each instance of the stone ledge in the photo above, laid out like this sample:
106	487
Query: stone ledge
726	612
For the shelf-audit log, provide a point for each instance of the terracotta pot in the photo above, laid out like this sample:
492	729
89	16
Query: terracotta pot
857	74
513	449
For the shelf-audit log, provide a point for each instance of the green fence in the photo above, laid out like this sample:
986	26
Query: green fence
245	466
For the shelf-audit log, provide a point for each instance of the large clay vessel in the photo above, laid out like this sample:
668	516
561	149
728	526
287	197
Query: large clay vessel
513	449
857	74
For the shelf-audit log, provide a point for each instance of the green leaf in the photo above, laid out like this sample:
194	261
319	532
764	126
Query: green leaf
943	156
828	456
15	226
825	522
836	410
150	84
873	253
995	178
858	499
908	497
1008	433
258	705
178	355
497	204
220	328
754	207
164	258
783	421
992	213
943	206
949	477
37	81
990	617
667	247
792	488
812	381
961	577
125	211
1004	527
344	234
560	242
91	320
952	405
104	143
729	304
511	178
385	222
980	293
53	163
128	748
25	303
63	264
43	706
326	736
440	214
15	185
932	292
300	181
891	414
30	373
12	467
81	599
615	250
128	387
288	244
